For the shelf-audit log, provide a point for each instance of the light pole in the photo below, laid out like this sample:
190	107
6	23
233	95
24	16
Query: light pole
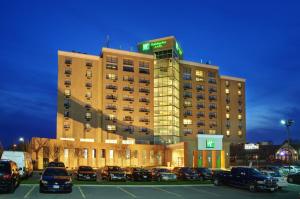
287	124
22	141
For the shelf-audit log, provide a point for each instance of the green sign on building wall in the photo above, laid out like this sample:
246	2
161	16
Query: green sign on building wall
210	143
153	45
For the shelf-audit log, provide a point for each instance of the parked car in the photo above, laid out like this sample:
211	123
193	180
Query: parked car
86	173
23	161
56	164
290	170
137	174
246	177
113	173
185	173
55	179
9	175
294	178
281	180
204	173
162	174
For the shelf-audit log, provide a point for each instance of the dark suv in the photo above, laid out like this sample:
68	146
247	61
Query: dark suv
9	175
113	173
185	173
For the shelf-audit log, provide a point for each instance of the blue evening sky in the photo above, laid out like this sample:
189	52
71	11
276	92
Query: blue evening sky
257	40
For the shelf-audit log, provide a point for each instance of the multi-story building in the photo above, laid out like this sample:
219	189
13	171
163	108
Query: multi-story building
168	110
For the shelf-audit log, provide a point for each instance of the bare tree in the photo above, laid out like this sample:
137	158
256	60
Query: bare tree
78	154
54	151
37	144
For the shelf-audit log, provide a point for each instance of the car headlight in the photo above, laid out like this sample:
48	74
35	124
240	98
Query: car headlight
44	182
260	182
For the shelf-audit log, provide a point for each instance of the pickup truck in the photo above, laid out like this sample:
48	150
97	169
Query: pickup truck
246	177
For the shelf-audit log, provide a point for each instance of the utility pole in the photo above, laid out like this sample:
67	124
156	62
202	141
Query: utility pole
288	123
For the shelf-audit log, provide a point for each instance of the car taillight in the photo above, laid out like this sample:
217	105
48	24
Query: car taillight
7	177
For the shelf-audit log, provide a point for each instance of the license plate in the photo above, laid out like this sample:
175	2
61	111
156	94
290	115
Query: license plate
55	186
88	177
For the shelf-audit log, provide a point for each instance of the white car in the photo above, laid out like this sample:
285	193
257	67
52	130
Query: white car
291	170
282	182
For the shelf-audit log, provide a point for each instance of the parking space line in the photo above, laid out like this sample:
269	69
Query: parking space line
169	192
129	193
82	194
203	191
30	191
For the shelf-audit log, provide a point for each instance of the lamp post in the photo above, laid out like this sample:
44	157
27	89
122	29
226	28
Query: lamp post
287	124
22	141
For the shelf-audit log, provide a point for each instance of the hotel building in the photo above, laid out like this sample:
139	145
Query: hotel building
144	108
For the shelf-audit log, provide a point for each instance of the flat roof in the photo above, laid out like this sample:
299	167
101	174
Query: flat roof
233	78
198	64
78	55
129	53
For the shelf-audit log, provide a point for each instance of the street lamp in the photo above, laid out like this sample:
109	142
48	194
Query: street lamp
21	139
287	124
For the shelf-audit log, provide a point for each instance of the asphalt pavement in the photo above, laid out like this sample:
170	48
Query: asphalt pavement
151	192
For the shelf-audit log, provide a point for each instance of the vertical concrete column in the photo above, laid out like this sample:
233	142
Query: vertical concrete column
71	158
213	159
40	159
195	158
223	159
204	158
89	157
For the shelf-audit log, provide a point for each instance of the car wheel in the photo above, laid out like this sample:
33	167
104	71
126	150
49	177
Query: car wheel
252	188
217	182
290	180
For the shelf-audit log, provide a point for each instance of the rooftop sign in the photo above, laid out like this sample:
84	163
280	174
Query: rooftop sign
251	146
153	45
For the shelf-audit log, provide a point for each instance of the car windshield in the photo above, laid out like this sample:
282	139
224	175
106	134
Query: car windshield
4	167
85	168
254	172
56	164
114	169
55	172
163	170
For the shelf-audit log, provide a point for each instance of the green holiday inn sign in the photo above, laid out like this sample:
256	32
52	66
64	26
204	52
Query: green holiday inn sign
210	143
153	45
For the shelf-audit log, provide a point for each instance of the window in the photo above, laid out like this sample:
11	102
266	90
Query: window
227	115
128	65
211	74
227	83
227	132
85	153
89	64
88	74
228	123
201	123
127	118
211	131
187	113
128	98
88	84
67	82
200	88
88	115
144	90
111	107
187	74
212	106
144	119
110	127
187	131
68	71
68	61
227	108
66	125
112	63
213	124
212	81
187	121
187	94
200	114
66	113
187	103
94	154
199	76
111	154
111	76
87	126
144	67
239	92
145	110
239	85
239	116
129	129
111	86
143	99
200	105
240	133
111	117
67	103
128	78
128	88
212	89
88	95
212	115
67	92
200	97
128	108
227	91
187	85
145	81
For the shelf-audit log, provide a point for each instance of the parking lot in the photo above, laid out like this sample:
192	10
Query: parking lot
151	191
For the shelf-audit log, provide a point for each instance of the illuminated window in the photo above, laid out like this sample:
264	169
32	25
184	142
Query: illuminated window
111	127
227	115
94	154
88	74
67	92
187	103
88	116
88	95
227	91
88	126
239	92
85	153
228	132
111	63
199	76
227	108
66	153
240	133
240	85
111	76
227	83
239	117
212	131
187	121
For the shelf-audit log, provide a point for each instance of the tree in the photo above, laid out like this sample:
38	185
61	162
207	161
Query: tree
54	151
37	144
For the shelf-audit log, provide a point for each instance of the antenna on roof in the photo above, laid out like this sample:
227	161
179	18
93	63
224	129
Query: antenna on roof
107	41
